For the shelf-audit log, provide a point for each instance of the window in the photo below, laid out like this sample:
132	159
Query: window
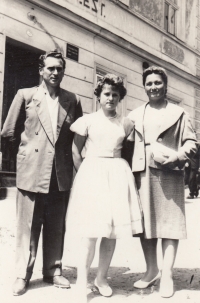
170	16
100	73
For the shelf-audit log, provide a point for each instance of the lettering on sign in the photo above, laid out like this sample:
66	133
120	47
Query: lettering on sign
72	52
173	51
94	5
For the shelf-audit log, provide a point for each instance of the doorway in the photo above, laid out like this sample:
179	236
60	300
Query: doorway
21	71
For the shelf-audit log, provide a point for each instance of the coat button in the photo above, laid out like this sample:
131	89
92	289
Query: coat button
159	139
36	150
36	133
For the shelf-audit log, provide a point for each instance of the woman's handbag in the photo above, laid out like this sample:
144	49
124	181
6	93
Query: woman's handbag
160	152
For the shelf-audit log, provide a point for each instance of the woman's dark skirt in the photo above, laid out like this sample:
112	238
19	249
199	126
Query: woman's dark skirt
162	197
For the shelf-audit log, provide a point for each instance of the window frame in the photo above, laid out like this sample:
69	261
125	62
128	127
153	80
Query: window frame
174	99
171	28
125	2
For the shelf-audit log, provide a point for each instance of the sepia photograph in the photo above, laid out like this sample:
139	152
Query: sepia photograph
100	151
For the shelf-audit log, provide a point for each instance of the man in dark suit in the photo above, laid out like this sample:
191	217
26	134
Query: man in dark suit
44	170
192	174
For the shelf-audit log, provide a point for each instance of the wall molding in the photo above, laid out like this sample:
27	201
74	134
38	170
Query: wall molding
109	36
173	98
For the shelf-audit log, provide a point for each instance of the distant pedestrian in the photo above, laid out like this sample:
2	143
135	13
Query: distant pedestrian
193	175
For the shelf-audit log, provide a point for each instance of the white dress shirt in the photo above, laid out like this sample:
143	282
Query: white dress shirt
53	112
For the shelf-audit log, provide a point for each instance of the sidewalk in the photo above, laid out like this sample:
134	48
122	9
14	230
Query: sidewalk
127	267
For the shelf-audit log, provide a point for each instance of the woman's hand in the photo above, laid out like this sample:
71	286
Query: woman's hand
171	162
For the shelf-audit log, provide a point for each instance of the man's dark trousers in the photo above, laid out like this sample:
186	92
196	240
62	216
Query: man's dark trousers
35	210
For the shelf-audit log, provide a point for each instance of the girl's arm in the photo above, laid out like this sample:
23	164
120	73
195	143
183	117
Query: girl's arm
127	151
77	146
128	143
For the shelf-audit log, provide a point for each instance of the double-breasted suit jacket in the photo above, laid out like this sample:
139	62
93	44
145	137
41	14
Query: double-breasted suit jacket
176	132
38	148
44	175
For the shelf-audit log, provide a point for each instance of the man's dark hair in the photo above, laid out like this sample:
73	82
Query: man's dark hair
55	54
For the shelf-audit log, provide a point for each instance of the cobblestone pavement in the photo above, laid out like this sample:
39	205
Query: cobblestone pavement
127	267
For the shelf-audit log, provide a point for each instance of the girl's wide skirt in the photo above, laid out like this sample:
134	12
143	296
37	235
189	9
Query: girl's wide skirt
104	201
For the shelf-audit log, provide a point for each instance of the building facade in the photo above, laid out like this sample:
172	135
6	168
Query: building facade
100	36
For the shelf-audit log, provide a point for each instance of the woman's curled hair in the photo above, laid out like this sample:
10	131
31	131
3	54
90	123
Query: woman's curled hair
113	80
155	70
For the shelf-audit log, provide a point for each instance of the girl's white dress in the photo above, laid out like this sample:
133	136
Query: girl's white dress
104	201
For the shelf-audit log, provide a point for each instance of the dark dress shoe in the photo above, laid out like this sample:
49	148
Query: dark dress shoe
58	281
20	286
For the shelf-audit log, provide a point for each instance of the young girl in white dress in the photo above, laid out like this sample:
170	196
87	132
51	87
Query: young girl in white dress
104	202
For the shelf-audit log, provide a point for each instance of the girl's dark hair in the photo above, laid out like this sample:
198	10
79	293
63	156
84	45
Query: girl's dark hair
55	54
113	80
155	70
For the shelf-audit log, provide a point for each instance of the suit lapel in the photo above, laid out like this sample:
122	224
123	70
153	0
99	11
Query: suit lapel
43	113
63	108
172	114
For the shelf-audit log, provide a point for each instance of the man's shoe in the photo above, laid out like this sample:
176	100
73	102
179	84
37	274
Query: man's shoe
58	281
20	286
190	197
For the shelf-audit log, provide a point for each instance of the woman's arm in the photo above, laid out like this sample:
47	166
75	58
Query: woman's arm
77	147
128	143
188	143
127	151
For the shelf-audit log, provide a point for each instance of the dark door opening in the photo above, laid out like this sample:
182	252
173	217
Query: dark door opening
21	71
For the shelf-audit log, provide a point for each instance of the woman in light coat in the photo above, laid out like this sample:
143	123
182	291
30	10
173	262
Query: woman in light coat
164	141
